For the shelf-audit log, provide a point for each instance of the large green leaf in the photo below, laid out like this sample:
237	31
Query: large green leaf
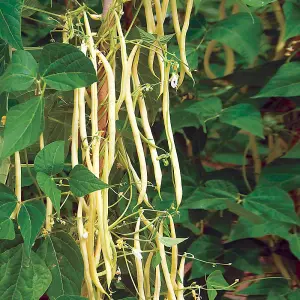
20	73
50	160
273	295
48	186
22	277
4	55
242	32
284	173
205	110
31	218
215	282
262	287
272	203
244	255
10	22
285	83
8	201
7	231
206	247
245	229
82	181
24	124
64	67
258	3
291	9
294	152
212	196
64	260
294	241
294	295
244	116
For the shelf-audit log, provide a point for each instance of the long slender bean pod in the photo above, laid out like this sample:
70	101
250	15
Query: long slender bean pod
147	281
181	279
138	261
136	132
170	138
146	124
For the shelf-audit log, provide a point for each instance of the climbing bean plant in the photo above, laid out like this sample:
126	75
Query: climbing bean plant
149	149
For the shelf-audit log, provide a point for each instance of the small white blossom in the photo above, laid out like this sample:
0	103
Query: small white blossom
174	80
85	235
137	253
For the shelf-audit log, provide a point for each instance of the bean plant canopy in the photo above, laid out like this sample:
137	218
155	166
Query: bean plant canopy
149	149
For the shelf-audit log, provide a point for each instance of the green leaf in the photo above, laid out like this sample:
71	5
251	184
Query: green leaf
71	297
156	260
4	56
285	83
8	201
10	22
206	247
24	124
245	229
215	281
244	116
273	295
50	160
212	196
83	182
22	277
31	218
48	186
284	173
294	295
7	231
294	152
242	212
146	36
291	11
244	255
169	242
64	67
20	73
201	269
272	203
262	287
258	3
207	109
166	38
234	32
64	260
294	241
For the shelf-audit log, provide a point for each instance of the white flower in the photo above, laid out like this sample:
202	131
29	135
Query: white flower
137	253
174	80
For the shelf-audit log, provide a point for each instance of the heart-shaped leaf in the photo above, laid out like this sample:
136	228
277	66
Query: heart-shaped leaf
244	116
10	22
20	73
24	124
83	182
8	201
63	257
31	218
234	32
272	203
50	160
48	186
64	67
285	83
22	277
